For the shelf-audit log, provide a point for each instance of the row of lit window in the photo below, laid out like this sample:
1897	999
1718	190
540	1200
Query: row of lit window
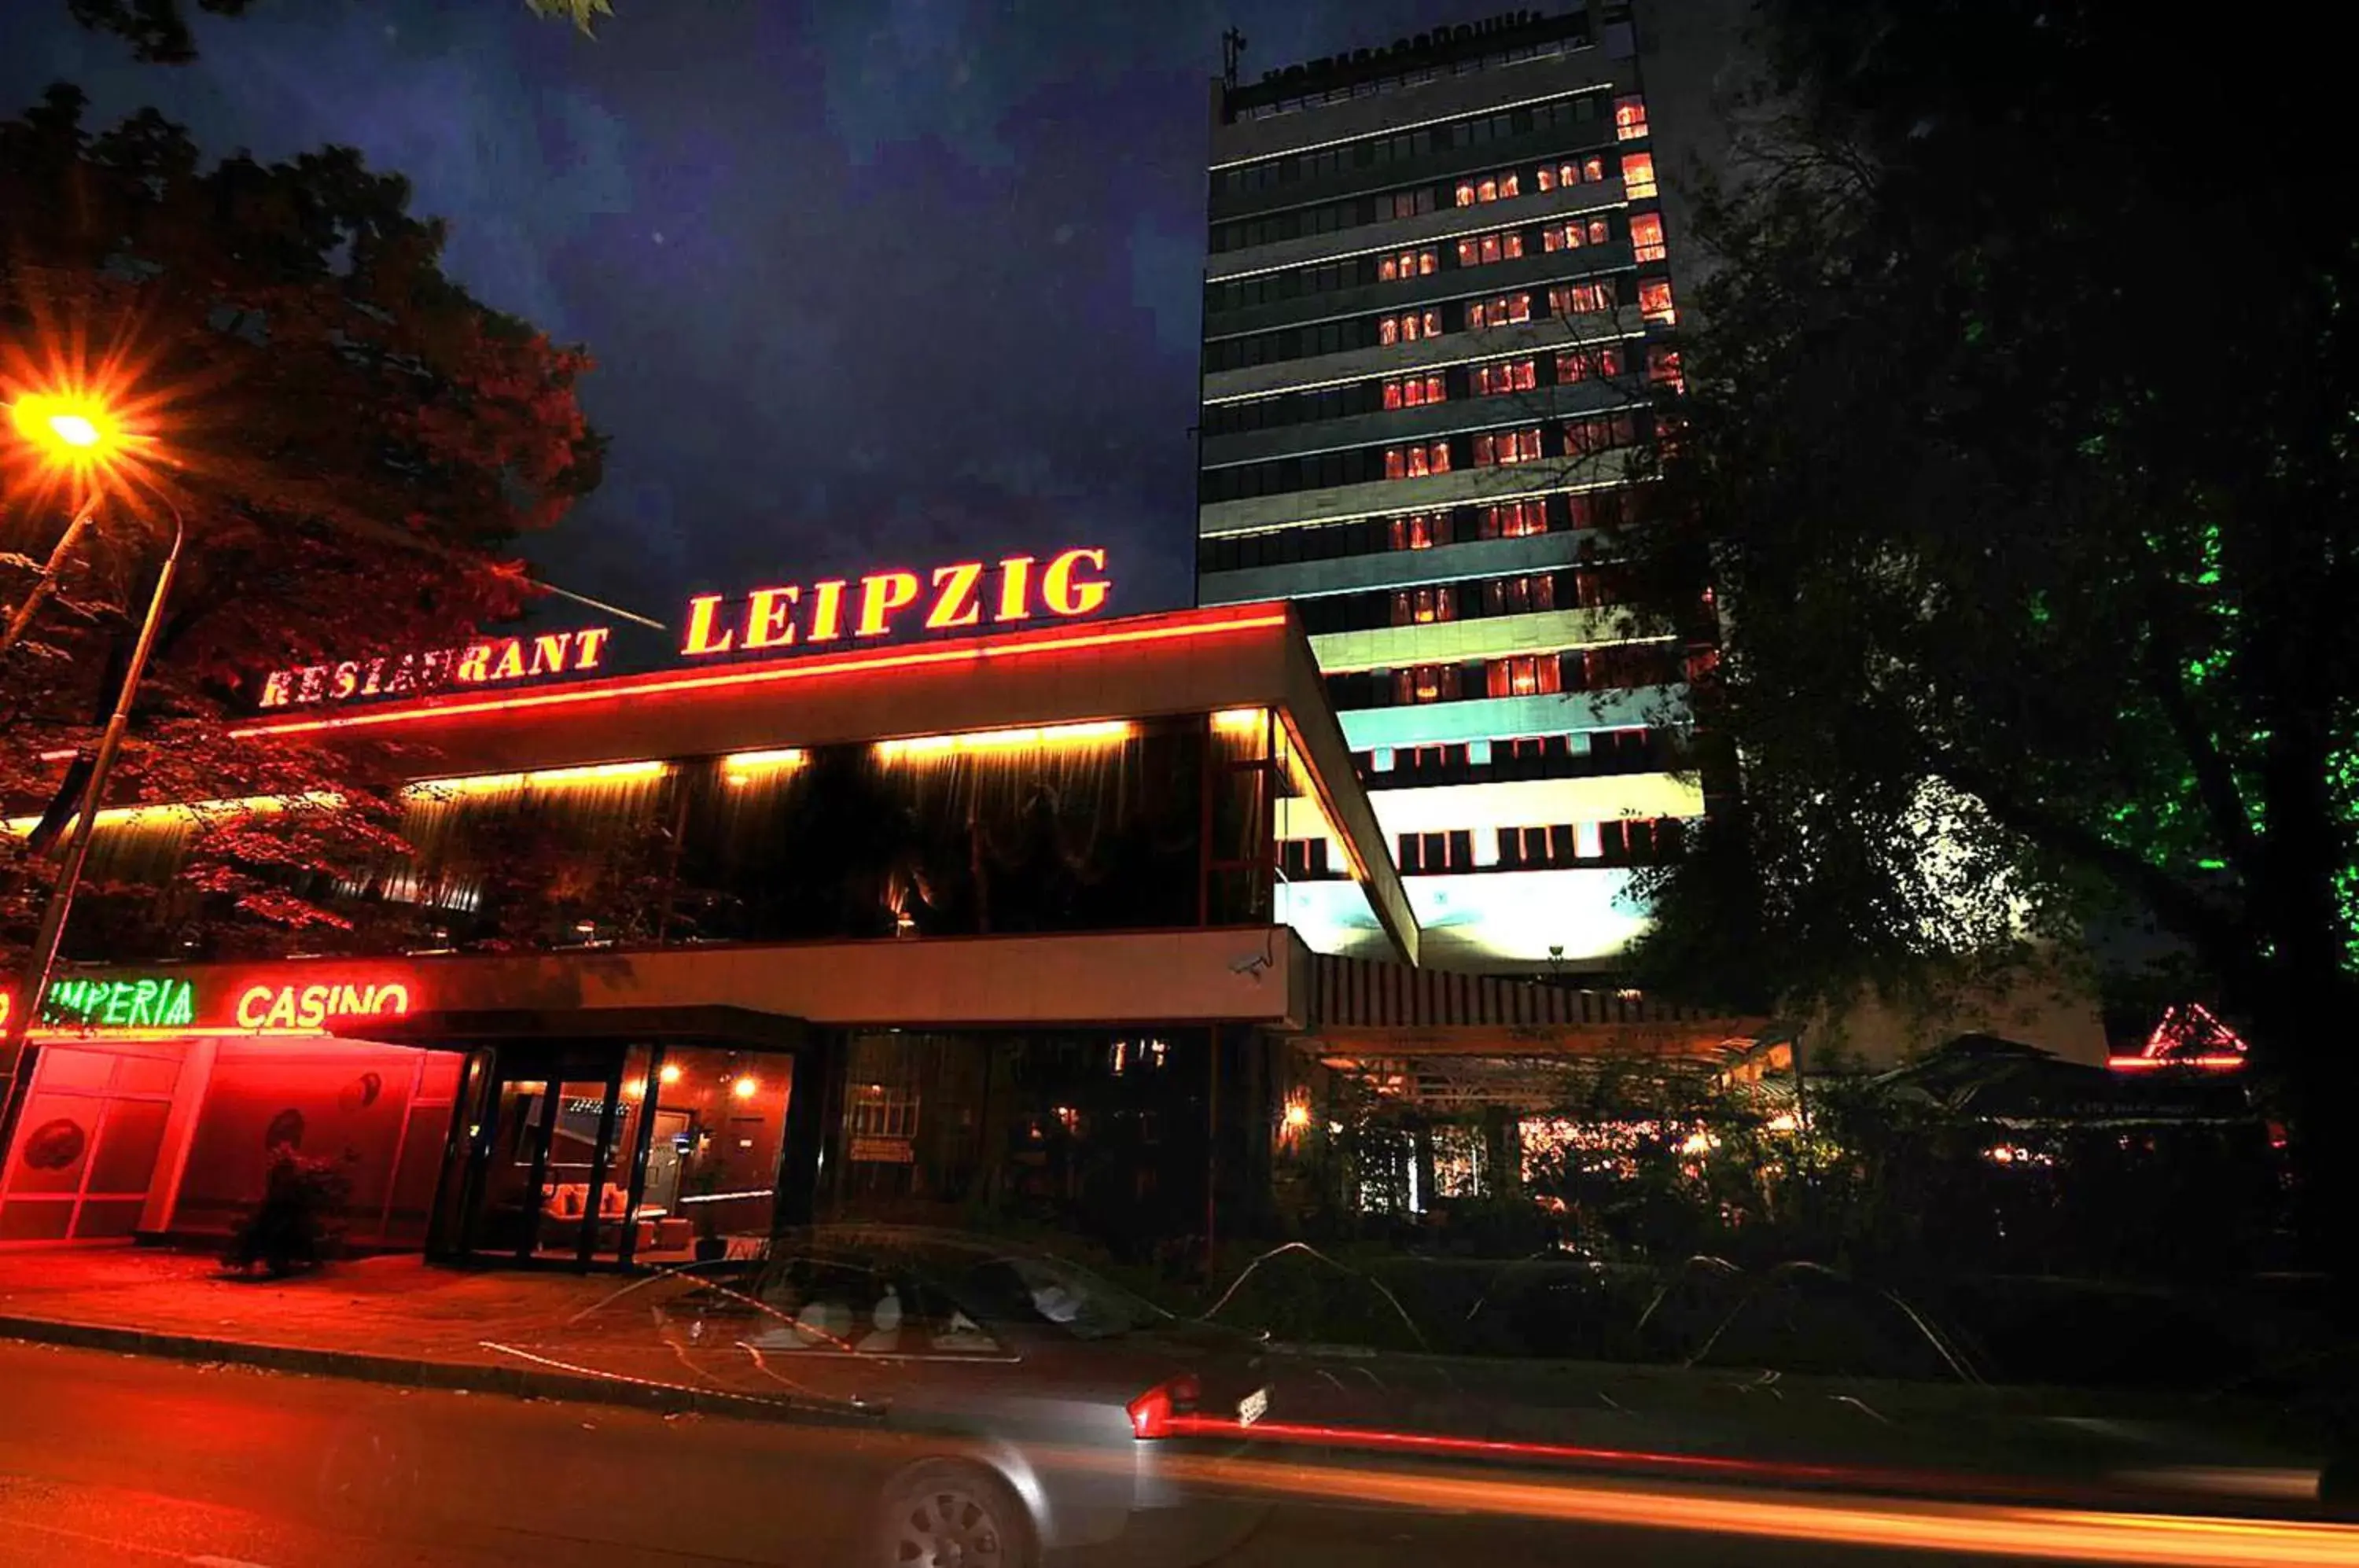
1494	379
1625	841
1590	509
1427	322
1638	184
1420	458
1521	756
1524	675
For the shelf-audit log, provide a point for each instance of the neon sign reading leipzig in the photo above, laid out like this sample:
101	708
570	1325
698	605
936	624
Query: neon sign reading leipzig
966	593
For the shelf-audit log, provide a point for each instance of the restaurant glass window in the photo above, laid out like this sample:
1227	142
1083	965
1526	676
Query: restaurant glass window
717	1120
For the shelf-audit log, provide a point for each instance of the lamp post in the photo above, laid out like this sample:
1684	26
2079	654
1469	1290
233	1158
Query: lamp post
84	437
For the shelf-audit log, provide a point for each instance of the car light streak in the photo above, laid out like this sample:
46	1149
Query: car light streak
2054	1534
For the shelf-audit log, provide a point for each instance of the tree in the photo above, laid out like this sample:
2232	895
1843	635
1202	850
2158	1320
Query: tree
353	441
158	30
2019	437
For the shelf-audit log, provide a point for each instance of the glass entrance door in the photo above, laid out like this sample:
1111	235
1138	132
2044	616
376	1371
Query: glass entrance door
551	1165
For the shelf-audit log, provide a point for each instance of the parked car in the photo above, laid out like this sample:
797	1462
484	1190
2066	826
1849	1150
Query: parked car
1018	1407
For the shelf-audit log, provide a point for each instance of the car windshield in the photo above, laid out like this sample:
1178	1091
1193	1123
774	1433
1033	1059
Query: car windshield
1032	1290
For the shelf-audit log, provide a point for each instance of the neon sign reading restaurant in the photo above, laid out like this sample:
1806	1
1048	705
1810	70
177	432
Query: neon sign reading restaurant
491	663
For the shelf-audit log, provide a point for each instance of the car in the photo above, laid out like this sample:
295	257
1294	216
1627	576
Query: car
1015	1407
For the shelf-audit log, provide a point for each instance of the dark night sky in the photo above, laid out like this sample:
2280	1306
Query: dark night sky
870	282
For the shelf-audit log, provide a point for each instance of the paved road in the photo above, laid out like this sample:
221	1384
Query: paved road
110	1459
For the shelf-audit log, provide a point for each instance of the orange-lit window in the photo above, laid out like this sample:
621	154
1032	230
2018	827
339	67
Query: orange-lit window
1489	188
1409	203
1423	530
1655	300
1393	268
1581	364
1501	311
1413	391
1528	676
1629	118
1423	607
1598	434
1426	683
1408	327
1637	175
1572	171
1506	447
1646	236
1519	596
1514	519
1663	368
1417	462
1575	234
1505	375
1486	249
1582	298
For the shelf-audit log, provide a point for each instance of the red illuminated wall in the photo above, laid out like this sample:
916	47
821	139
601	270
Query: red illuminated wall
379	1111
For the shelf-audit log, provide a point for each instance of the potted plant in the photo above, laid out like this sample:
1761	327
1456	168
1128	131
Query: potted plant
295	1226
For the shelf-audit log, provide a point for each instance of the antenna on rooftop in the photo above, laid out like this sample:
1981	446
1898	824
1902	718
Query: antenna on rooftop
1232	49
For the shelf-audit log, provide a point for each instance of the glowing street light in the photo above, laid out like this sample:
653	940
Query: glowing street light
81	435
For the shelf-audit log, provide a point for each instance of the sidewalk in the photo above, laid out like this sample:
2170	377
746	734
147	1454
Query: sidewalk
386	1319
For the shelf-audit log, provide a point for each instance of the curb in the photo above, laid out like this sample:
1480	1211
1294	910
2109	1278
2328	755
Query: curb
354	1366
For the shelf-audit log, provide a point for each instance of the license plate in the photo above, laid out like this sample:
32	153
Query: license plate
1253	1407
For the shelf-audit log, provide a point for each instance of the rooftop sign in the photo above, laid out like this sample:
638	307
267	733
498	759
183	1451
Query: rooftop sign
966	593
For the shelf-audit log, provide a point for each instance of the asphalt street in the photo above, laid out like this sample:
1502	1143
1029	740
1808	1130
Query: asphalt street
114	1459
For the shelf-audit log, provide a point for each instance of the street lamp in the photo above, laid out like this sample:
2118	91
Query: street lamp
80	434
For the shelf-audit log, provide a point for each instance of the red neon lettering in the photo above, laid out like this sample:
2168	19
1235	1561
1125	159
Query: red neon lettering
1015	589
587	645
769	617
1066	597
955	604
314	684
880	595
275	691
405	675
310	1007
700	628
827	611
376	674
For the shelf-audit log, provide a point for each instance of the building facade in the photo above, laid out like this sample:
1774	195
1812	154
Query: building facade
1439	332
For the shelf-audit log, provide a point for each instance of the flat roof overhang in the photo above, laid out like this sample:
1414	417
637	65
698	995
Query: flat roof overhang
448	1028
1132	668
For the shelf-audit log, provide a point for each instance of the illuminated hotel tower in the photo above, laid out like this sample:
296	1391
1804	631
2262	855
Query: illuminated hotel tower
1438	316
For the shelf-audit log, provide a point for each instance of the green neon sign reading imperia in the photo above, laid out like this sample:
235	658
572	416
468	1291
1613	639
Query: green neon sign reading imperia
142	1003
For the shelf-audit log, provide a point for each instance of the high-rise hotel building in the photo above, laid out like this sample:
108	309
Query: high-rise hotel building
1438	327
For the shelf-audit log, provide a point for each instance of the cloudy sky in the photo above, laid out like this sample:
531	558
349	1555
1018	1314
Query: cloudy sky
869	282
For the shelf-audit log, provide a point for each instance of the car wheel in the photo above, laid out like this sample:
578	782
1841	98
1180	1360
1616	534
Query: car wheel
949	1514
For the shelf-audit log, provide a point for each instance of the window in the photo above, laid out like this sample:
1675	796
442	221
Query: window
1417	462
1506	446
1600	433
1426	683
1403	264
1505	376
1422	531
1637	175
1413	391
1629	118
1408	327
1409	203
1655	300
1646	236
1300	860
1437	851
1581	363
1595	510
1489	188
1582	298
1500	311
1663	368
1574	233
1514	519
1535	848
1423	607
1572	171
1487	248
1519	596
1529	675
